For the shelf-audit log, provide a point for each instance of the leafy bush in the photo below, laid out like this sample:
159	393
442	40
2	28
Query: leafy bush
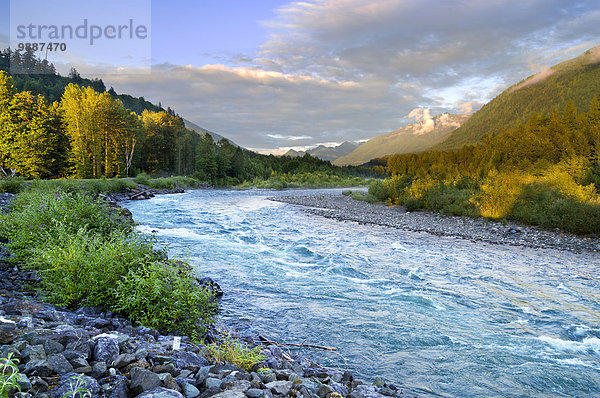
540	204
12	185
143	179
235	352
87	255
40	216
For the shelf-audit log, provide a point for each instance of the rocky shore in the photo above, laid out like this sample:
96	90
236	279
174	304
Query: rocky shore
343	208
60	350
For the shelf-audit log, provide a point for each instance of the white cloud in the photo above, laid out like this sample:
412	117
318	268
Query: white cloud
335	70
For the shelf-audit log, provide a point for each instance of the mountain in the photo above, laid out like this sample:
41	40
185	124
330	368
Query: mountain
294	154
332	153
323	152
415	137
216	137
577	79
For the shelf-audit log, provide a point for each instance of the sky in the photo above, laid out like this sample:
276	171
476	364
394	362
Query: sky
272	75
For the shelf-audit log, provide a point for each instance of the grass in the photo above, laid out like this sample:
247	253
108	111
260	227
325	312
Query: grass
235	352
86	254
305	180
96	186
360	195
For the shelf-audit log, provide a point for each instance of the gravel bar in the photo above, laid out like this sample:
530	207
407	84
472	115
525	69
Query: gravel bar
343	208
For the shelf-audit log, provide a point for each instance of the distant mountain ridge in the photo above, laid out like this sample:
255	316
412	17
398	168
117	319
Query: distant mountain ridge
216	137
414	137
577	79
323	152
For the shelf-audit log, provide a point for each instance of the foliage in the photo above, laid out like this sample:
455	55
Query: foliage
359	195
544	172
9	375
77	388
304	180
86	254
82	131
12	185
577	80
235	352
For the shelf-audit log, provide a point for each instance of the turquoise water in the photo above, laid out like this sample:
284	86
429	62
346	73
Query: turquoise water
437	316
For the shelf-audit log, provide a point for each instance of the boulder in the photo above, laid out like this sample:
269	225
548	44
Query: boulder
143	380
279	387
106	350
59	364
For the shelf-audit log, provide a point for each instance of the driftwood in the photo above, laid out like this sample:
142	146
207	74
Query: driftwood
137	195
267	341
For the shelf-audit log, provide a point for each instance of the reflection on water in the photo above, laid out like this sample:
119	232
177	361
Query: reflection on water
438	315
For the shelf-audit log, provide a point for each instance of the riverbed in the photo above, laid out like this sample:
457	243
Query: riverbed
436	315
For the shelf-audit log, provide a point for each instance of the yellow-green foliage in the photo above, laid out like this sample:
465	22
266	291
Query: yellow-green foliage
499	192
235	352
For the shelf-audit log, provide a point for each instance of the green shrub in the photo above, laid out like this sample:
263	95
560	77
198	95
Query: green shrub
143	179
414	204
235	352
450	200
540	204
85	254
12	185
39	216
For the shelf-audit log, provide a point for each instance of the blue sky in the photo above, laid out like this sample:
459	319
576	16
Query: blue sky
272	75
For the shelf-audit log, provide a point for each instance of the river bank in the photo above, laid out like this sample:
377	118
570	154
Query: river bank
343	208
110	356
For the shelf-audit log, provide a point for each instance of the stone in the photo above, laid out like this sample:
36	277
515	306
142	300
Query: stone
80	347
8	331
24	382
161	392
143	380
71	381
166	368
119	388
59	364
38	367
38	384
324	391
213	382
53	347
99	370
169	382
230	394
279	387
338	388
189	390
254	393
106	350
123	360
33	352
86	370
189	360
238	385
79	362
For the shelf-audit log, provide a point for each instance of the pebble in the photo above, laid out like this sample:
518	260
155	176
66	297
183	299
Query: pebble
343	208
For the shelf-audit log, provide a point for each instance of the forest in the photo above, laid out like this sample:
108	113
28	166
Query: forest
544	172
70	127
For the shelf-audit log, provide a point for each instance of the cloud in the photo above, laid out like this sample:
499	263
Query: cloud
336	70
425	122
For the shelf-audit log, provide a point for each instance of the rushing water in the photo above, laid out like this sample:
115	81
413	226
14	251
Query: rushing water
440	316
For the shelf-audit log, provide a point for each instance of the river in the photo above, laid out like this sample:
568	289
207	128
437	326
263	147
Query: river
434	315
